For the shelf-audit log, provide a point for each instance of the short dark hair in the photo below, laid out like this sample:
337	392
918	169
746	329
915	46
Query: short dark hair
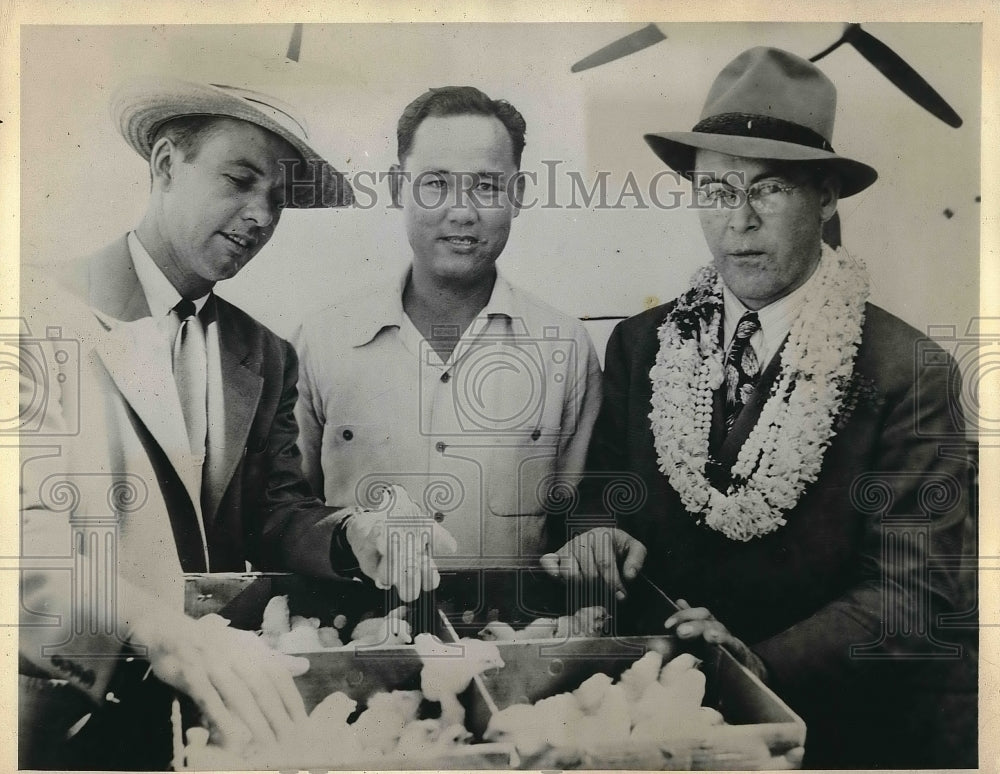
187	133
458	101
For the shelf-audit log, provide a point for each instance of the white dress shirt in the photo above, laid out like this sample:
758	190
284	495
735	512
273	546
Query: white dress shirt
162	297
775	320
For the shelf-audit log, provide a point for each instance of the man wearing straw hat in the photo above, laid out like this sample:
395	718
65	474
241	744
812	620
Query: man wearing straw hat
185	435
800	448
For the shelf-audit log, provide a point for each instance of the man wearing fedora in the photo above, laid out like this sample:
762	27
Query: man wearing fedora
793	443
185	436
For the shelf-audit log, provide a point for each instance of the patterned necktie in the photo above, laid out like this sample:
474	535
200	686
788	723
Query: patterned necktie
742	368
191	374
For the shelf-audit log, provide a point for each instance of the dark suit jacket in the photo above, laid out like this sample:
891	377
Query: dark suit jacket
265	511
851	566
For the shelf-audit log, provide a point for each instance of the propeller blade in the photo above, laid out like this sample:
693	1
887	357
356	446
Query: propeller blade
831	48
295	44
635	41
893	67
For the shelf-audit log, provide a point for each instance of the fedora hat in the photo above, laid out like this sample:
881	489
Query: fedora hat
767	104
141	106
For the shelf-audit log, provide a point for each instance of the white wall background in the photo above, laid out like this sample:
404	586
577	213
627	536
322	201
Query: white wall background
82	186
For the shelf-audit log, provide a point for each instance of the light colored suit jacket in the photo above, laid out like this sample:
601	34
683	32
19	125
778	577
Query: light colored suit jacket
109	504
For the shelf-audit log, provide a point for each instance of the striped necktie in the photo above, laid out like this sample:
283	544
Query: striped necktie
742	368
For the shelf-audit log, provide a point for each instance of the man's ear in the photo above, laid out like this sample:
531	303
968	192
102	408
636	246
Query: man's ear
829	195
162	160
396	177
518	193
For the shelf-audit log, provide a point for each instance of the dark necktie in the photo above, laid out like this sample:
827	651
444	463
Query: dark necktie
742	368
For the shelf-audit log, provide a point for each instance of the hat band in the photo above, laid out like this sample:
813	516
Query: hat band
762	127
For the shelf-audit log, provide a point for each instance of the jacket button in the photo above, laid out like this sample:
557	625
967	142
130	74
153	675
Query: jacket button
536	434
440	446
445	377
439	517
348	435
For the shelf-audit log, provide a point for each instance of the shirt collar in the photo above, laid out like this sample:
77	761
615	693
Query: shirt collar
385	307
775	319
161	296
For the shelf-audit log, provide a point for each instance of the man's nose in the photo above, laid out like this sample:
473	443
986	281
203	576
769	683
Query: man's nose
463	208
744	217
261	210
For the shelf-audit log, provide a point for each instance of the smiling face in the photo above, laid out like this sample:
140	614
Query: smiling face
214	207
763	257
456	197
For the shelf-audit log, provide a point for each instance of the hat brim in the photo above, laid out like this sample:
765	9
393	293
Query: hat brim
677	150
140	107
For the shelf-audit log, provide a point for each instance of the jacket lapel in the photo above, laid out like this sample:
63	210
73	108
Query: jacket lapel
241	388
136	355
137	358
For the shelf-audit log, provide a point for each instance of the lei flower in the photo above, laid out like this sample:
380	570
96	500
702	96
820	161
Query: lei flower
784	452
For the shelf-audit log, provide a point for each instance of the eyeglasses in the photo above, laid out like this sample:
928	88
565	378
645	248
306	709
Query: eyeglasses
766	197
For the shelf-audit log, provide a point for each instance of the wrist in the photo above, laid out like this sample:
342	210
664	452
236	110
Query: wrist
342	557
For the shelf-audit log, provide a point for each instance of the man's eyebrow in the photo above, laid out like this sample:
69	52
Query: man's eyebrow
248	164
767	174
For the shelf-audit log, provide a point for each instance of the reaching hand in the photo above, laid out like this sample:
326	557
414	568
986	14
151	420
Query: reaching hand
243	688
395	544
693	622
595	556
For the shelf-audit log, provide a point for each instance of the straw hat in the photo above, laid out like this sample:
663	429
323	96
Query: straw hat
141	106
767	104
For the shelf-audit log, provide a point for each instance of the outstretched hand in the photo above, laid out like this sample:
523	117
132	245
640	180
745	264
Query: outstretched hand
243	688
396	543
595	556
697	622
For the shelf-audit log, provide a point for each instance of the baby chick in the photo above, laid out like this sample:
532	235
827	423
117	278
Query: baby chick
418	737
275	620
497	630
393	629
585	622
448	670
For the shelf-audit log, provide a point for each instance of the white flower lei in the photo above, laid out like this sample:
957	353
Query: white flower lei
784	452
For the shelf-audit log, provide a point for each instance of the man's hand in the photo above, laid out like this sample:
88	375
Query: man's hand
693	622
243	688
595	556
395	544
